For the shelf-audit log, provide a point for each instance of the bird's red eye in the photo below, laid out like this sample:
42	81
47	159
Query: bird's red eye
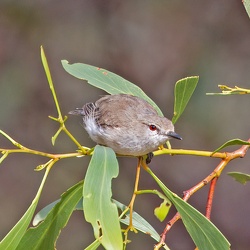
152	127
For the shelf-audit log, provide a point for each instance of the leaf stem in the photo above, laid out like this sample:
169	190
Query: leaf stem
47	72
15	143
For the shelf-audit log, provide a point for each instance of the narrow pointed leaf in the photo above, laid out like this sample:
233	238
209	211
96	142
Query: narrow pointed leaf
247	6
44	236
240	177
203	232
99	210
106	80
139	223
184	89
13	238
232	143
94	245
42	214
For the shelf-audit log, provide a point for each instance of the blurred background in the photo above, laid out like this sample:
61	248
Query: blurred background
152	44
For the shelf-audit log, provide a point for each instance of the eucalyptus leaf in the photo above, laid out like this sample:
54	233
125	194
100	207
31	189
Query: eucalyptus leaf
232	142
106	80
44	236
184	89
240	177
162	211
203	232
42	214
247	6
139	223
99	210
94	245
13	238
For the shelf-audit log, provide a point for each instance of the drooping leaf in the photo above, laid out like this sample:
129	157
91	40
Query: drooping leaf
99	210
93	246
240	177
232	143
203	232
247	6
44	236
184	89
139	223
106	80
42	214
13	238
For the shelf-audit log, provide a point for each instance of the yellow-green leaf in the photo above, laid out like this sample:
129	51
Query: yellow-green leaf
184	89
106	80
44	236
203	232
232	143
240	177
13	238
98	208
162	211
247	6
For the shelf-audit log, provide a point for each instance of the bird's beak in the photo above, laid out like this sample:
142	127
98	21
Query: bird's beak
174	135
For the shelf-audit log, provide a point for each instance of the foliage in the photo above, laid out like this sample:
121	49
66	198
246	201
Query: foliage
107	215
247	6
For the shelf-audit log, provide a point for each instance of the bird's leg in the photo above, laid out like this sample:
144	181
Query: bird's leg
149	157
131	204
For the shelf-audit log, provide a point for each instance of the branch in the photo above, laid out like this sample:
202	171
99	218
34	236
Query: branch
240	153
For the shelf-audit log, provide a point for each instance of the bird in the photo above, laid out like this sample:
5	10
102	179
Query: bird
128	124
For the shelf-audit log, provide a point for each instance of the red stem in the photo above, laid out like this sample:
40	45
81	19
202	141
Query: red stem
210	197
213	177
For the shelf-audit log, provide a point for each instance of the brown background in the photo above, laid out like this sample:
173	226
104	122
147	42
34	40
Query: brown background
153	44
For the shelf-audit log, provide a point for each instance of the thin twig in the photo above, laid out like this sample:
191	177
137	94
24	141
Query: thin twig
210	197
240	153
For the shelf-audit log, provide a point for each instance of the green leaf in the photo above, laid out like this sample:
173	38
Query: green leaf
139	223
247	6
184	89
162	211
44	236
240	177
42	214
94	245
202	231
106	80
232	143
99	210
12	239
